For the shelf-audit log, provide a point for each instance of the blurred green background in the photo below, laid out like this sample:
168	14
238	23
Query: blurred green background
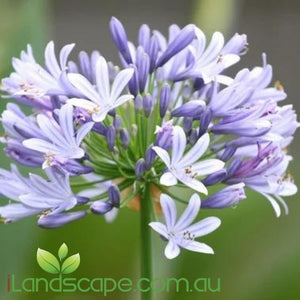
257	255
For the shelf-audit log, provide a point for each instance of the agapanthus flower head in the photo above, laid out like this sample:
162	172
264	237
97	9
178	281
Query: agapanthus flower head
126	136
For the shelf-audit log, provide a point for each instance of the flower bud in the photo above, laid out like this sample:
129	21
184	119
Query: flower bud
140	168
182	40
193	108
101	207
117	122
120	38
124	137
165	98
111	137
215	177
138	103
149	157
148	105
114	195
228	196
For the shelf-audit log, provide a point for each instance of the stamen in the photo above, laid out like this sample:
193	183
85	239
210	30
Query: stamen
278	85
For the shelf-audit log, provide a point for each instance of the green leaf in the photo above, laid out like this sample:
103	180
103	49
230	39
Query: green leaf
62	251
70	264
47	261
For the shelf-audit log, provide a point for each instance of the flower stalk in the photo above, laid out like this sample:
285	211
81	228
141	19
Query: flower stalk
146	256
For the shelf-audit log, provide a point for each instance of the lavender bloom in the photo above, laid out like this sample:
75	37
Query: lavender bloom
28	88
181	233
61	143
185	168
265	174
35	194
17	125
228	196
251	122
104	99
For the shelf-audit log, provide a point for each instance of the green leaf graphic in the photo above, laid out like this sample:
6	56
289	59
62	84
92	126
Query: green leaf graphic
70	264
47	261
62	251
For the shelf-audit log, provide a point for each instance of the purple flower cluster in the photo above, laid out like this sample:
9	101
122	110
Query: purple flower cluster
169	117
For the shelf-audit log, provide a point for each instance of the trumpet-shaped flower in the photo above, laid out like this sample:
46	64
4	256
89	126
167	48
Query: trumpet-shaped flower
100	101
62	143
186	167
35	194
181	233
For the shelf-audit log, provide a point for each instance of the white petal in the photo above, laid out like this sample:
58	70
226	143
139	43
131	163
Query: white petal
102	79
120	82
171	250
198	247
273	202
82	103
51	61
283	203
64	54
100	115
66	122
196	151
40	145
17	211
51	130
204	226
83	131
214	48
84	87
163	154
111	215
189	214
287	188
168	179
160	228
121	100
179	144
169	210
207	166
193	183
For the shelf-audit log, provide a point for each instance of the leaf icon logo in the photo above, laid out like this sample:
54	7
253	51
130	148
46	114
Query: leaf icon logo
70	264
49	263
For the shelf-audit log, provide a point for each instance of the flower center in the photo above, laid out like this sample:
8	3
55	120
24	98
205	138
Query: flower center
95	109
188	236
188	171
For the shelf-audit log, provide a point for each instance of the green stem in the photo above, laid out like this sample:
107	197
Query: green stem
146	258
